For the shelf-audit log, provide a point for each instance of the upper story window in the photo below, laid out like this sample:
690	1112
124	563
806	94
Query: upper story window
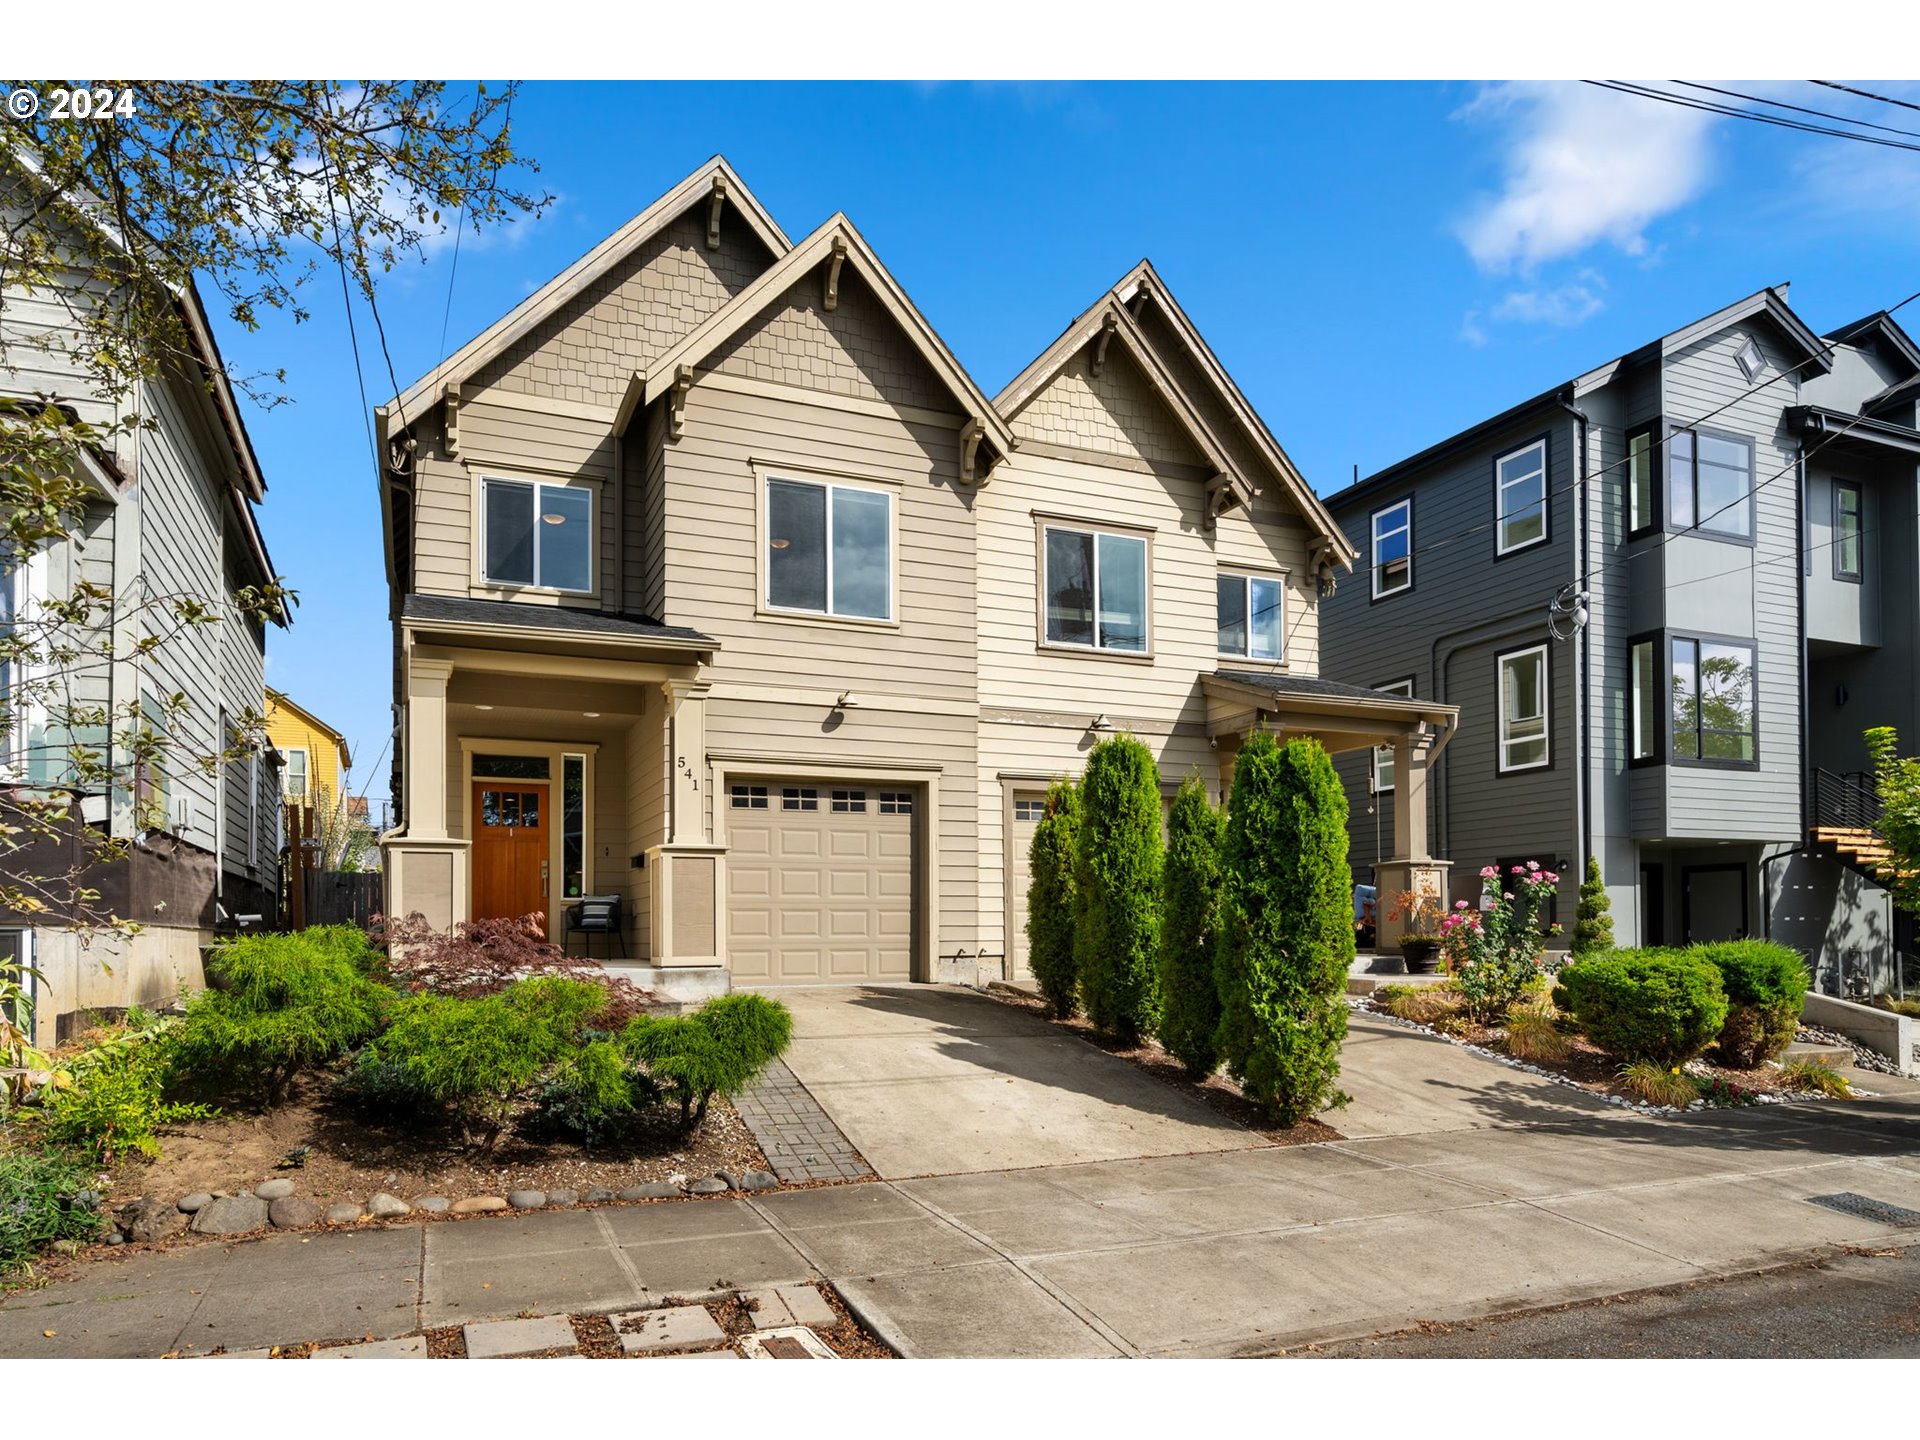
1393	549
538	535
1643	510
1252	613
1520	486
1710	483
293	774
1383	772
1644	720
1523	709
12	727
1713	701
1094	589
829	549
1847	509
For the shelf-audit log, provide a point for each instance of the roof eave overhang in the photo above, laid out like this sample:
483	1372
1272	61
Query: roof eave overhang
478	633
1391	711
1853	429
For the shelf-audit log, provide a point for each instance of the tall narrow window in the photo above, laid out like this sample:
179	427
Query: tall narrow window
1383	771
1710	483
1523	709
293	774
829	549
1846	530
1252	616
1645	717
13	736
1642	513
1713	701
573	823
1095	590
1520	497
538	534
1393	549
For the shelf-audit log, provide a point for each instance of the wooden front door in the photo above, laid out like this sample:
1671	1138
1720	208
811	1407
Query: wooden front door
510	835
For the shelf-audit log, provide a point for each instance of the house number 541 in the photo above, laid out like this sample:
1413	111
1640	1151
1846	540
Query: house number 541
692	779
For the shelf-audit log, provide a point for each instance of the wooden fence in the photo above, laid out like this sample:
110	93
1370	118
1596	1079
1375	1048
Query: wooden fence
322	897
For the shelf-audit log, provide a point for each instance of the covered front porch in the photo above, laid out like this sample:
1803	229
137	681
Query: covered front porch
1341	718
553	756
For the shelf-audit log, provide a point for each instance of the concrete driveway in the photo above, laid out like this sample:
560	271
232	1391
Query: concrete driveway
934	1081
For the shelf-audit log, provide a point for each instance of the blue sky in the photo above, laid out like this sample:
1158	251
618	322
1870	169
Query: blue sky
1378	265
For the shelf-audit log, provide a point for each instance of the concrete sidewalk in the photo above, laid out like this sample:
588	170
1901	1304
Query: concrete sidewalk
1514	1193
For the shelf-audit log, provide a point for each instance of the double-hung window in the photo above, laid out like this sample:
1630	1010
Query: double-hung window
1523	709
537	535
293	774
1393	549
1520	497
1252	613
1383	772
1847	509
1094	589
1712	700
829	549
1710	483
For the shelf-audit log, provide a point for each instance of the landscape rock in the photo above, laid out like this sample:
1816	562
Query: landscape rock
599	1195
715	1186
230	1215
386	1207
478	1204
344	1213
526	1199
730	1178
271	1190
432	1204
759	1180
148	1219
563	1197
295	1212
114	1237
197	1201
652	1190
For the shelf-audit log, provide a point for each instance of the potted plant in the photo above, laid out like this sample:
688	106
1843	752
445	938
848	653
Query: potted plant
1420	939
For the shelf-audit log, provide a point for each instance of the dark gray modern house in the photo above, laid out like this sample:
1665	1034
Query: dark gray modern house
1668	596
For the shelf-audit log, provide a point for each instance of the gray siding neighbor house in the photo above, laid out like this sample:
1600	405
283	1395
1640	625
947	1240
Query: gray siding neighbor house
1668	596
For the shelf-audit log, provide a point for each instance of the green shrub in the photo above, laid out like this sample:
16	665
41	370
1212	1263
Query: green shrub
1658	1084
1189	995
1816	1077
38	1205
108	1102
345	942
717	1050
1117	866
1766	985
1664	1006
593	1093
1533	1034
1050	900
280	1004
1286	927
1593	917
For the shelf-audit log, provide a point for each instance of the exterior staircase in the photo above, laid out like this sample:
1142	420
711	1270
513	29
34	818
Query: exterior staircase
1845	810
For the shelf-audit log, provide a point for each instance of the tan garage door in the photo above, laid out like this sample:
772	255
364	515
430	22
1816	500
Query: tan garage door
1027	810
819	881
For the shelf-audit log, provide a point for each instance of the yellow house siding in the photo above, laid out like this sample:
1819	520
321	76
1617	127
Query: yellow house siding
287	730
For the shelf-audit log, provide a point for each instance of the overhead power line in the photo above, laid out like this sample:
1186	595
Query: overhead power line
1867	94
1799	109
1714	107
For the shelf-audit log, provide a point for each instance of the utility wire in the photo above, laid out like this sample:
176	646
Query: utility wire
1865	94
1713	107
346	300
1799	109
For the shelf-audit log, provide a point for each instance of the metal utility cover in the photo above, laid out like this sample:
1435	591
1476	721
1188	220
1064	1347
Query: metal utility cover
1867	1208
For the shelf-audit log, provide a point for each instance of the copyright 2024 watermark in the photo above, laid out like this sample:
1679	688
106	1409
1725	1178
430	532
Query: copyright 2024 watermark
57	102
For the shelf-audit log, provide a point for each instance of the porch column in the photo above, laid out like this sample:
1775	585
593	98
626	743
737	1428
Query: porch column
427	747
1410	795
686	759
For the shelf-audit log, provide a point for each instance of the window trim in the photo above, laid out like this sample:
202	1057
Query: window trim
1042	523
764	474
1655	432
1402	687
1501	549
1246	574
306	773
1854	488
1702	637
1501	740
1663	703
1732	437
595	518
1373	551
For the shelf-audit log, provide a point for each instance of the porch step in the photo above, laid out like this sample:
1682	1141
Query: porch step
1815	1050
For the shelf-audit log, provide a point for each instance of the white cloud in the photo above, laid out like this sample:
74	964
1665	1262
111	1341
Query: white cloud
1472	331
1584	165
1562	305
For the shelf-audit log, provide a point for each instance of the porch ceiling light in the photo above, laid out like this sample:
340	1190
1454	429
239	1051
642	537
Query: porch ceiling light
483	707
591	714
778	544
553	519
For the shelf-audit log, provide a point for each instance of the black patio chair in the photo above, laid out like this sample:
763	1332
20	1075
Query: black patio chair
593	915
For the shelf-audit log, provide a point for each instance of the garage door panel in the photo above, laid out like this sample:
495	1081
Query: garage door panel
823	894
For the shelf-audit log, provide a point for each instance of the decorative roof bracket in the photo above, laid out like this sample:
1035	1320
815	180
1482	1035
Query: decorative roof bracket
714	207
833	271
1108	324
972	433
453	418
677	400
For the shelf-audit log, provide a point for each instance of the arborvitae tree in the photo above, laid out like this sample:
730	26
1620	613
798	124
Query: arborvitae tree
1190	901
1286	927
1050	899
1117	880
1593	920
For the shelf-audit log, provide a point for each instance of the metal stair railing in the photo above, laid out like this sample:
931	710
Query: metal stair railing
1844	801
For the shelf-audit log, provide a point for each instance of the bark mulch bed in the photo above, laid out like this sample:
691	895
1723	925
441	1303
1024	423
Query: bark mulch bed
1216	1091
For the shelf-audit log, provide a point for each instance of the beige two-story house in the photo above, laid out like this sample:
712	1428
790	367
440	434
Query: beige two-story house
721	588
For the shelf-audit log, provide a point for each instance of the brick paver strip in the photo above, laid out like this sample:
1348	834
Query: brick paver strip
683	1327
501	1339
799	1140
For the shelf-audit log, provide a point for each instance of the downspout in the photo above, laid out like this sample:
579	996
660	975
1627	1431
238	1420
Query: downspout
1800	611
1583	652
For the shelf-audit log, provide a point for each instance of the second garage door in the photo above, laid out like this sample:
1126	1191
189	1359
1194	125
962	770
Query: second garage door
819	882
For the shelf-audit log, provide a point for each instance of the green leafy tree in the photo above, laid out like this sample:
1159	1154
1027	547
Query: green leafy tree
1286	927
1189	994
1896	783
1050	899
248	190
1593	918
1117	888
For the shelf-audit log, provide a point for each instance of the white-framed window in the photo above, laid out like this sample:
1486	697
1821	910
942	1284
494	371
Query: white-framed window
536	534
1523	709
829	549
1094	589
1520	490
1393	549
1252	616
13	739
1383	772
799	798
748	797
896	802
293	773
